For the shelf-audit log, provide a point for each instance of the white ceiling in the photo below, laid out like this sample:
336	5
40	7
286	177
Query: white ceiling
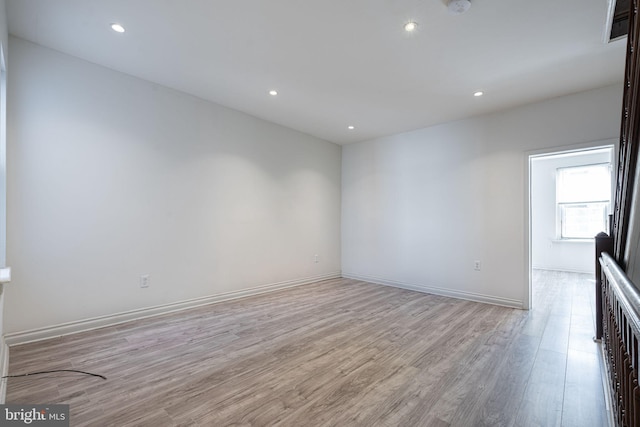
340	62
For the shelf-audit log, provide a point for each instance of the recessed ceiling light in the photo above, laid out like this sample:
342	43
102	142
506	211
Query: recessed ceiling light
478	93
410	26
273	92
350	127
117	28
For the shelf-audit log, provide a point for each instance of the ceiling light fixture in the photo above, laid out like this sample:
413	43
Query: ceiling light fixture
478	93
458	7
350	127
410	26
117	28
273	92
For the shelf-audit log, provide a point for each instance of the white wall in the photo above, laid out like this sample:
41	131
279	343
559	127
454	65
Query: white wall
419	208
112	177
547	250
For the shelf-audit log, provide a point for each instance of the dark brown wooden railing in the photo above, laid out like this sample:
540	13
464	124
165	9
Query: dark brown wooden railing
604	244
617	298
620	336
629	140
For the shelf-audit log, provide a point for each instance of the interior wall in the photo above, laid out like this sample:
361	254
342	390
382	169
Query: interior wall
547	250
419	208
112	177
631	258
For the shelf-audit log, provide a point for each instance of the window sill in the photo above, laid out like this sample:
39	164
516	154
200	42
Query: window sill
572	240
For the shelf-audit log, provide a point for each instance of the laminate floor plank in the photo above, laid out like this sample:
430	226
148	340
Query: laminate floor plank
543	398
340	352
556	333
506	390
584	404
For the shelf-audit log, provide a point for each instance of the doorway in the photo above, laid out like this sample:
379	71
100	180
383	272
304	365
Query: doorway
570	199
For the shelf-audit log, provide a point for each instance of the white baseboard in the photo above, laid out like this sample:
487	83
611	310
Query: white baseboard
4	369
469	296
39	334
563	270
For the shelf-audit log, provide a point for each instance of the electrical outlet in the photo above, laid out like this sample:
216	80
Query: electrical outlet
317	259
476	265
144	281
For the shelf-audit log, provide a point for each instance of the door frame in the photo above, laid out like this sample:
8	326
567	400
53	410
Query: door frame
529	155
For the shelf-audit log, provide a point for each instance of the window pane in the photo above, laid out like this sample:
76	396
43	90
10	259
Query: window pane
583	184
583	220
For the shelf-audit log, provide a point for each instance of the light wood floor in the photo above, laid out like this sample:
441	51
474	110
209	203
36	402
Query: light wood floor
336	353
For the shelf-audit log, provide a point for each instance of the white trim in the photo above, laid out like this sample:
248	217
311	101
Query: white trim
4	369
608	23
562	270
68	328
575	148
469	296
528	294
591	241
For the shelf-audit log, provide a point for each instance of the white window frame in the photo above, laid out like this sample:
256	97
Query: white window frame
561	206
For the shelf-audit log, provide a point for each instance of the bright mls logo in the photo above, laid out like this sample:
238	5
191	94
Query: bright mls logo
34	415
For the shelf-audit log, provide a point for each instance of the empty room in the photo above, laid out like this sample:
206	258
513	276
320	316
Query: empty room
260	213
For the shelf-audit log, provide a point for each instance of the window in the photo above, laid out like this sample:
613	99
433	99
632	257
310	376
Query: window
583	197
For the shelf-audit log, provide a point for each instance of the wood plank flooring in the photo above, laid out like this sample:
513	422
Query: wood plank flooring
335	353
